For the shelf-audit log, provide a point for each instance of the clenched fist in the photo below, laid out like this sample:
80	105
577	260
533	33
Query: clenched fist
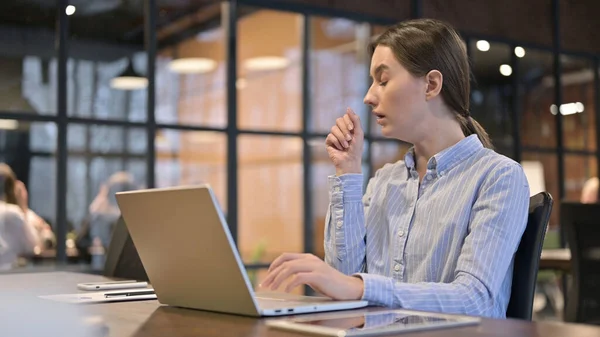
345	144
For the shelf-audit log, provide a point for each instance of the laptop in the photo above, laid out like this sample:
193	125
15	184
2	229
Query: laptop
186	248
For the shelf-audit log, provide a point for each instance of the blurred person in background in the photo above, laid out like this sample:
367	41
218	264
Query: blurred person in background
589	193
22	231
103	213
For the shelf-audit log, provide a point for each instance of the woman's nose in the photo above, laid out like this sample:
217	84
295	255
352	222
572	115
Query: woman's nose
370	99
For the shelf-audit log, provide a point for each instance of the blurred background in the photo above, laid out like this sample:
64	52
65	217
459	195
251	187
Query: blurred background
101	96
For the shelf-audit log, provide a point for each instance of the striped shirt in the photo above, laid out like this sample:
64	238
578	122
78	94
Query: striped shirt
445	244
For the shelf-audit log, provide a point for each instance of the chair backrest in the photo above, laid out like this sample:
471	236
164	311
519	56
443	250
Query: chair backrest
527	257
581	224
122	258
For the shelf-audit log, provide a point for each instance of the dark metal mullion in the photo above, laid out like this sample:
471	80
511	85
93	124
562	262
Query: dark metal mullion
43	154
151	13
186	127
306	124
62	27
27	116
88	165
125	134
105	155
271	133
558	98
364	57
107	122
539	149
307	155
559	127
579	54
230	19
580	152
88	140
182	127
416	9
597	109
516	106
177	92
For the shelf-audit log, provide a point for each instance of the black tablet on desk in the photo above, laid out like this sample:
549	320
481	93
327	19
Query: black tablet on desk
371	323
122	258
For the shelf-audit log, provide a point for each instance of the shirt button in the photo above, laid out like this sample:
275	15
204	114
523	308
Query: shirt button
339	224
397	267
401	233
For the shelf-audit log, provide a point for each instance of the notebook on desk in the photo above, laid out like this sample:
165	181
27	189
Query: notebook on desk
104	296
191	260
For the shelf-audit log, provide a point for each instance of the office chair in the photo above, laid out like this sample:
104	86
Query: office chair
122	259
527	257
581	224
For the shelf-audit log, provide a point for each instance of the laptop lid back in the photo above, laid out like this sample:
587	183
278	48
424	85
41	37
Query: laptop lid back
187	250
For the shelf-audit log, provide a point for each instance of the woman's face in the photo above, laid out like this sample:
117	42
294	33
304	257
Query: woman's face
396	96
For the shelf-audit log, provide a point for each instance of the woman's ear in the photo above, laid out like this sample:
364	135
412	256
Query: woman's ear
434	80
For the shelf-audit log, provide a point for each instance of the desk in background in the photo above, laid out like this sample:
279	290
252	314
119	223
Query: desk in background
556	259
150	319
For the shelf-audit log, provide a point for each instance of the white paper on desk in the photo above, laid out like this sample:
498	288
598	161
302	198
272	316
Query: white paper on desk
100	296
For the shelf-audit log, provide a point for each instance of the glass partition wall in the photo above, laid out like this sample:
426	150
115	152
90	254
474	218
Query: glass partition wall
241	97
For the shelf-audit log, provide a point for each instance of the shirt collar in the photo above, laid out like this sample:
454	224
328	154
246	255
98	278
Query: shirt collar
449	157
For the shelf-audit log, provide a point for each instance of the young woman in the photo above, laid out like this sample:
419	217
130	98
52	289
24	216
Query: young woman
438	230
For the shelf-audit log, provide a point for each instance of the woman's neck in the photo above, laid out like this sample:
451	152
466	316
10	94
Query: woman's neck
437	139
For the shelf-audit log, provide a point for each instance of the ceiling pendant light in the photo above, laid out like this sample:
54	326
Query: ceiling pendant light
129	79
192	65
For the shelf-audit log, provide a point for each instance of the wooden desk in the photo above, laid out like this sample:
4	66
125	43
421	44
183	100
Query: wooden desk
149	318
556	259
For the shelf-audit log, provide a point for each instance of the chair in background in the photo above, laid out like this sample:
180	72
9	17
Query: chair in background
549	298
527	257
581	224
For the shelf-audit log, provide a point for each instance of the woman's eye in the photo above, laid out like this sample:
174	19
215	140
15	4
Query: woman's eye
383	83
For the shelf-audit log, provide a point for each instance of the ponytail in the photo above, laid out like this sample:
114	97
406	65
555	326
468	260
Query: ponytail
470	126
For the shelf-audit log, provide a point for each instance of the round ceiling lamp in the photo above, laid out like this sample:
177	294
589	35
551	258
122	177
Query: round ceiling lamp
263	63
505	70
483	45
192	65
129	79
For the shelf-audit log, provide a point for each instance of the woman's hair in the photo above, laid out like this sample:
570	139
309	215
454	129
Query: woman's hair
8	180
423	45
119	182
